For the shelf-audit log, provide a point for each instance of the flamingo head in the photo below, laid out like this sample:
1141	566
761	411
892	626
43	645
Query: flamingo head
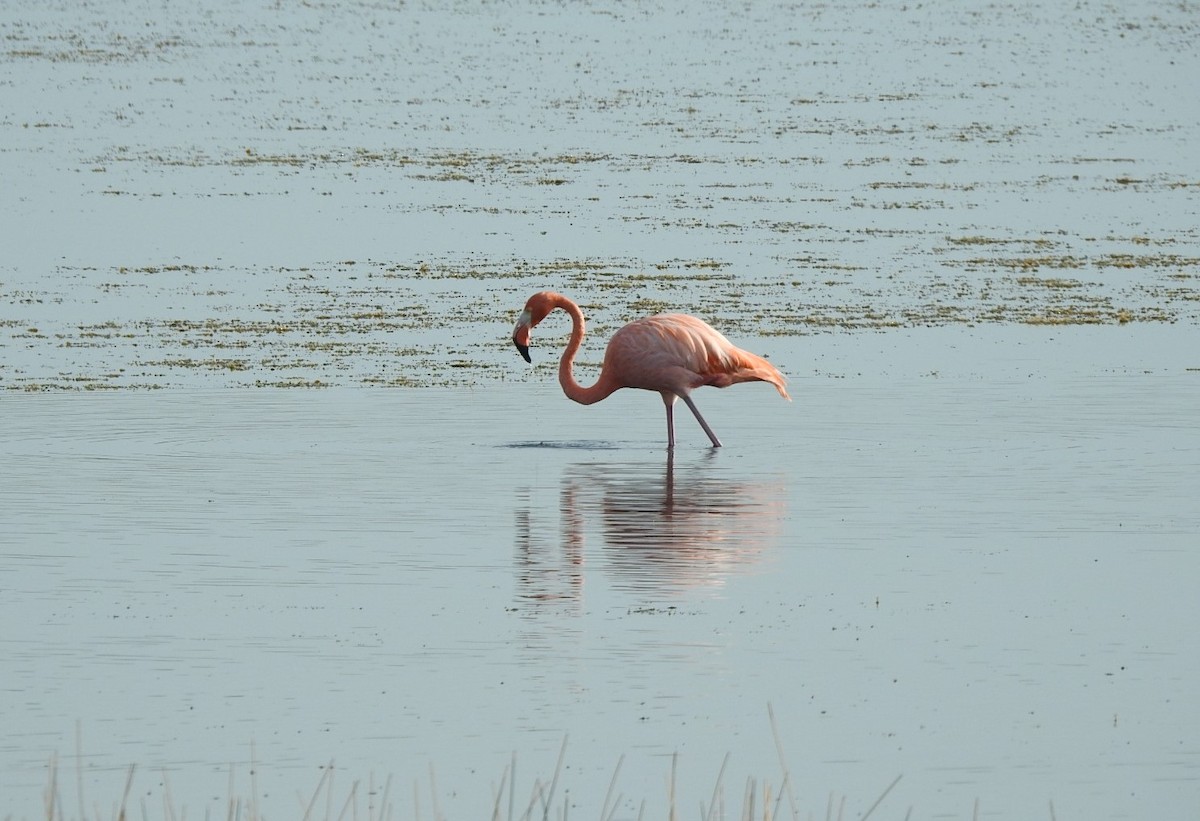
535	311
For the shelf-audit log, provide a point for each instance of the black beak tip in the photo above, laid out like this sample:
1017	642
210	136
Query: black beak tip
524	351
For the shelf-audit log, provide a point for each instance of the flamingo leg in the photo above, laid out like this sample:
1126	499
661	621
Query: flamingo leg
670	404
696	411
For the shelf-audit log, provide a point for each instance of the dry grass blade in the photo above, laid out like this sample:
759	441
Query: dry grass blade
233	804
787	781
437	811
317	792
51	789
350	801
785	788
512	785
168	804
671	790
612	784
384	807
616	804
533	799
883	795
128	788
562	752
716	790
498	794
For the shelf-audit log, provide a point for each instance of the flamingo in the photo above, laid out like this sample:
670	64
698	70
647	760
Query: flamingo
670	353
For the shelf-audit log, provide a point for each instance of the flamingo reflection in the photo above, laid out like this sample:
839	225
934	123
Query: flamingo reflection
660	530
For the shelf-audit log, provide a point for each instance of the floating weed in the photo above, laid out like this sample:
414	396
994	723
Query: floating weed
1040	242
444	321
291	383
1147	261
432	166
1053	282
1029	263
210	364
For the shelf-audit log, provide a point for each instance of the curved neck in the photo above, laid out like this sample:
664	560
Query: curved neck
566	375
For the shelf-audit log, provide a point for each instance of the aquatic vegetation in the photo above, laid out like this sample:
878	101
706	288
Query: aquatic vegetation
549	795
439	322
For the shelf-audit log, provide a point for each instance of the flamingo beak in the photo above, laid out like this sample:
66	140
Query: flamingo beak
521	335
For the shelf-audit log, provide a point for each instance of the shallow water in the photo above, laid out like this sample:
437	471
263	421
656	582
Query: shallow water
276	491
986	589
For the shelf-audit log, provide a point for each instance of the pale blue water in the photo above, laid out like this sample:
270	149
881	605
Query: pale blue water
985	588
964	555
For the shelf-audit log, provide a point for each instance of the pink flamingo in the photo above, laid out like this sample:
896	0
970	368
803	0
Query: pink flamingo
670	353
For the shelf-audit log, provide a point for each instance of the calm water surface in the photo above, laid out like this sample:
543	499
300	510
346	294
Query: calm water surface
982	584
275	490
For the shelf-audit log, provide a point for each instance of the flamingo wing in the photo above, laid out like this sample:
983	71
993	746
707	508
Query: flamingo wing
678	353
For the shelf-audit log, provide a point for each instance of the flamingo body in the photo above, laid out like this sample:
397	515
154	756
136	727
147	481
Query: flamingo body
672	354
